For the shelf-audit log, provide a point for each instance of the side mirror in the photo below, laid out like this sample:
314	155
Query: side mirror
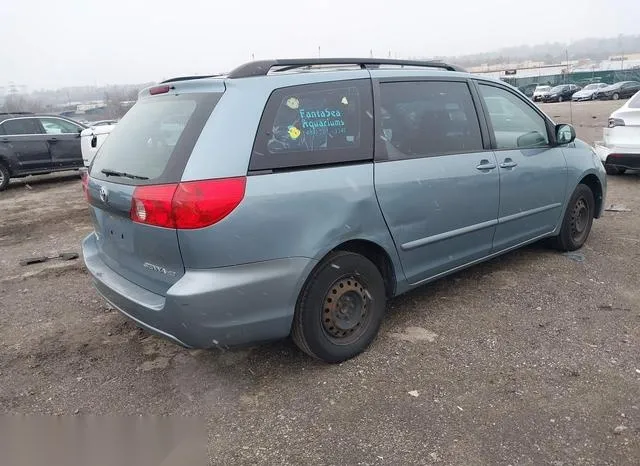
565	134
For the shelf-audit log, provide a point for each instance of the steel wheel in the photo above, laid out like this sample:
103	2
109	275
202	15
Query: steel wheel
580	217
345	315
340	307
616	96
577	220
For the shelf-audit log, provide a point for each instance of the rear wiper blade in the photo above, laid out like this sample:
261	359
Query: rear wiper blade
108	172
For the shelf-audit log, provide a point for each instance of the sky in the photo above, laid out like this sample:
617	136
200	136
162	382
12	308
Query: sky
51	44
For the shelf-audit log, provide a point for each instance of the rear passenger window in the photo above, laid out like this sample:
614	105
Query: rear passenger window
315	124
428	118
515	124
21	126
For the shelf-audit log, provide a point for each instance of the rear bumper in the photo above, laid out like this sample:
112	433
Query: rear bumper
628	161
228	306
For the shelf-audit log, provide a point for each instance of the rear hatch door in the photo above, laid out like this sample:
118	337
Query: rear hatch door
149	148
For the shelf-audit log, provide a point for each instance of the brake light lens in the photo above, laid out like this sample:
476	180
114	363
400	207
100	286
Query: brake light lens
198	204
152	205
84	176
159	90
188	205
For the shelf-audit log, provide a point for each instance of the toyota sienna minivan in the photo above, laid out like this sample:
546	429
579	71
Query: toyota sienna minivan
295	197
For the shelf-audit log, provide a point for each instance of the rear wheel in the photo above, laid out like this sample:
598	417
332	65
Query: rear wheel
616	96
577	221
560	99
613	170
4	177
340	308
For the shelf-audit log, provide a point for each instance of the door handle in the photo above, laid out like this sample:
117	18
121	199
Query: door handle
508	163
53	140
485	165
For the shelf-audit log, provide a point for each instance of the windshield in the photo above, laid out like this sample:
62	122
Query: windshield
591	87
154	132
558	89
542	88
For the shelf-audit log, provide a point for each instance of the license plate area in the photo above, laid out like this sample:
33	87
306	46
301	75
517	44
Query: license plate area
114	233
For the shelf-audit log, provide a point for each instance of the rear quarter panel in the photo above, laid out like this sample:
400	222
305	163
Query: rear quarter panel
296	214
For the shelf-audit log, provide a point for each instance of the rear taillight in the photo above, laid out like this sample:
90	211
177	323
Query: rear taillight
198	204
152	205
188	205
84	176
613	122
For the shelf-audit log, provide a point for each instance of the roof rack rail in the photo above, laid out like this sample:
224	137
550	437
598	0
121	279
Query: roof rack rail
188	78
262	67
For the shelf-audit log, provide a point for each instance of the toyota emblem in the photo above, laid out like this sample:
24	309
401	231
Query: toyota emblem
104	194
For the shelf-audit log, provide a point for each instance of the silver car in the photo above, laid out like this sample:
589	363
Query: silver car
295	197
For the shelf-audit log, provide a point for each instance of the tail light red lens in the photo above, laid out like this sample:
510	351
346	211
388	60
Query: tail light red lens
152	205
84	176
188	205
159	90
198	204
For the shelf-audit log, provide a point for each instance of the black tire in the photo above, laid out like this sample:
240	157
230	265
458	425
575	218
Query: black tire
615	96
340	308
577	221
613	170
4	177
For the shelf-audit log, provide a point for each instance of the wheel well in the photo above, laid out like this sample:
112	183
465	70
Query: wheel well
596	188
378	256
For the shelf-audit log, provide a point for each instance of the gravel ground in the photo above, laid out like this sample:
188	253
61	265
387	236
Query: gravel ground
532	358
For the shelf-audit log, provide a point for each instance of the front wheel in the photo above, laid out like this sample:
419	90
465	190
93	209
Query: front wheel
560	99
340	308
577	221
4	177
616	96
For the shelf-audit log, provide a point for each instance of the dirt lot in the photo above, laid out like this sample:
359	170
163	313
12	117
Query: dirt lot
532	358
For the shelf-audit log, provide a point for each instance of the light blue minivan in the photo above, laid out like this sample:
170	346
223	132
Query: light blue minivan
295	197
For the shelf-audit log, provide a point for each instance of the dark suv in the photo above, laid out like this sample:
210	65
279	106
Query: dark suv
37	144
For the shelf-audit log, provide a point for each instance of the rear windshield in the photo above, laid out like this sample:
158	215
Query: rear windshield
153	141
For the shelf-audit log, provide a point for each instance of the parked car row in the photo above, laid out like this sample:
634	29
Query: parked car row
621	90
594	91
